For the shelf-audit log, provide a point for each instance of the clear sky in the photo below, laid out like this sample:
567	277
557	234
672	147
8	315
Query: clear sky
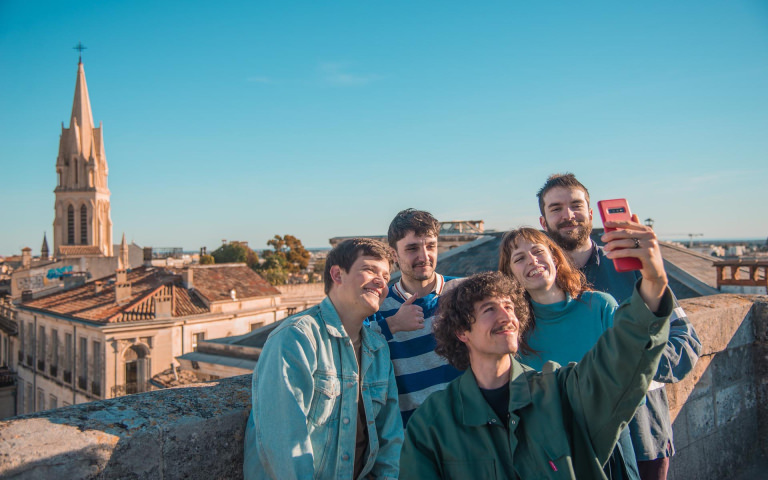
241	120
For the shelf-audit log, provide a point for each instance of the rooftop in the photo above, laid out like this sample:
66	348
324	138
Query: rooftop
97	301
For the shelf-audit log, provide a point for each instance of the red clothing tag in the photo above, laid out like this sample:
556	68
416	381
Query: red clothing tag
552	464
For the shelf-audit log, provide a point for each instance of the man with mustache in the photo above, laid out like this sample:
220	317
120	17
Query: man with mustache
324	398
567	217
405	317
504	420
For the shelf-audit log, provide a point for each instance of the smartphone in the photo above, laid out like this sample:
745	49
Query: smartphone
617	210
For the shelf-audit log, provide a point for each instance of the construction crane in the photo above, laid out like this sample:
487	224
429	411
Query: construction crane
691	236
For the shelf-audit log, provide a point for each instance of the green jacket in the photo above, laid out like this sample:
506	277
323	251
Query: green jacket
563	422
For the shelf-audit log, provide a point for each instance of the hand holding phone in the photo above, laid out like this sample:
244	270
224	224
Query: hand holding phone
617	210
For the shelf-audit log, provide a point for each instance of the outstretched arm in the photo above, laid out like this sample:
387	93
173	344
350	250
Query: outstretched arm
606	386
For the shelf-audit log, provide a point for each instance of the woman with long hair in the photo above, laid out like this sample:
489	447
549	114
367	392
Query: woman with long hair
567	316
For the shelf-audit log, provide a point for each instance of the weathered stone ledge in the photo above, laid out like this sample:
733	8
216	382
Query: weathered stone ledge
720	415
191	432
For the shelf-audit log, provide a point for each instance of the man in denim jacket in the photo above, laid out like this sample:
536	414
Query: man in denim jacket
324	398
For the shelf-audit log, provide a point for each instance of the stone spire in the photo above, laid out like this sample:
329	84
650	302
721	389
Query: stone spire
44	255
82	197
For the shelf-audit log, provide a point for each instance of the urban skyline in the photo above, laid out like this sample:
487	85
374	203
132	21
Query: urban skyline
246	121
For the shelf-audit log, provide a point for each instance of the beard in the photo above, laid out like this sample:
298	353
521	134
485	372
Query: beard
574	238
410	271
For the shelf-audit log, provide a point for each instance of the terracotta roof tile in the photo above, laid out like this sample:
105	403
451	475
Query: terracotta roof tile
150	285
214	282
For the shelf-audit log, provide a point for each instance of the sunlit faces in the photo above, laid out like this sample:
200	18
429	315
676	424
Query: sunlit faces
417	256
364	286
533	266
567	217
495	331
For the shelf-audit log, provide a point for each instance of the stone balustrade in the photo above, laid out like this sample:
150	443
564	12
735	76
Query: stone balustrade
720	415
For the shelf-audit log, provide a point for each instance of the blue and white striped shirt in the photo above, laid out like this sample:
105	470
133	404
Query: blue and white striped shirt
419	371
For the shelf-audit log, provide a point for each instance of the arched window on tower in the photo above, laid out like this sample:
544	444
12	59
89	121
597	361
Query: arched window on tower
70	225
84	225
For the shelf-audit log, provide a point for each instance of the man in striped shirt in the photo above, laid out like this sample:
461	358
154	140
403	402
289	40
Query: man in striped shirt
406	315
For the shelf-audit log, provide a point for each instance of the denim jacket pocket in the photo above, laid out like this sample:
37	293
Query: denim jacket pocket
378	392
324	399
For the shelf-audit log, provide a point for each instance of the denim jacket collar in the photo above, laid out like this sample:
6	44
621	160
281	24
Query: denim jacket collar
335	328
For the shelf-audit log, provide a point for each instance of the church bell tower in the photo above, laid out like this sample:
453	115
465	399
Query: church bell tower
82	225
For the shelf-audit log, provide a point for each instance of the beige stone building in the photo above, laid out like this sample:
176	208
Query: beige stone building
109	338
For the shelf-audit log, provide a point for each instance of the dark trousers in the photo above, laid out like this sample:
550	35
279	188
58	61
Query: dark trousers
654	469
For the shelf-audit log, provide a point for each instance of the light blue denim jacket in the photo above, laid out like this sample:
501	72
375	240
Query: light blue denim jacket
303	418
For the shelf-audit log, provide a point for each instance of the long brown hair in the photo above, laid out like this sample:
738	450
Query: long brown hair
568	278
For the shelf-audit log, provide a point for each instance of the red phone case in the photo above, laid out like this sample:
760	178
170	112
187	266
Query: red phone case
618	210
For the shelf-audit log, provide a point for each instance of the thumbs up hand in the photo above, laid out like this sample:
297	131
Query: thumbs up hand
408	318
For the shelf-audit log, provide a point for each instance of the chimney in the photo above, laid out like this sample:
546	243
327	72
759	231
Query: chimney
122	288
163	304
123	261
148	256
99	286
188	278
26	257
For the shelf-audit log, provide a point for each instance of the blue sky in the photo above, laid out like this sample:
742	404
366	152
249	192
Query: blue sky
241	120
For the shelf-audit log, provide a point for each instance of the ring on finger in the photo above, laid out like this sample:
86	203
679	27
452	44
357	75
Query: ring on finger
637	242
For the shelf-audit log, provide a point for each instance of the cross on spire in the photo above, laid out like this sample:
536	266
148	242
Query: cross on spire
80	47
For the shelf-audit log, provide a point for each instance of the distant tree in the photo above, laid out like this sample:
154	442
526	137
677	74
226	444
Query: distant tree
207	260
292	250
235	252
273	269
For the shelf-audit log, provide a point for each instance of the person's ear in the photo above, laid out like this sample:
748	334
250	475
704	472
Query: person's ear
543	221
462	336
336	274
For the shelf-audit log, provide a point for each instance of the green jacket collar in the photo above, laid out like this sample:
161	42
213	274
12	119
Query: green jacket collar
475	411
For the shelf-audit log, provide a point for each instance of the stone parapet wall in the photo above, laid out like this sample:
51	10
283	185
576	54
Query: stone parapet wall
720	415
719	411
182	433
